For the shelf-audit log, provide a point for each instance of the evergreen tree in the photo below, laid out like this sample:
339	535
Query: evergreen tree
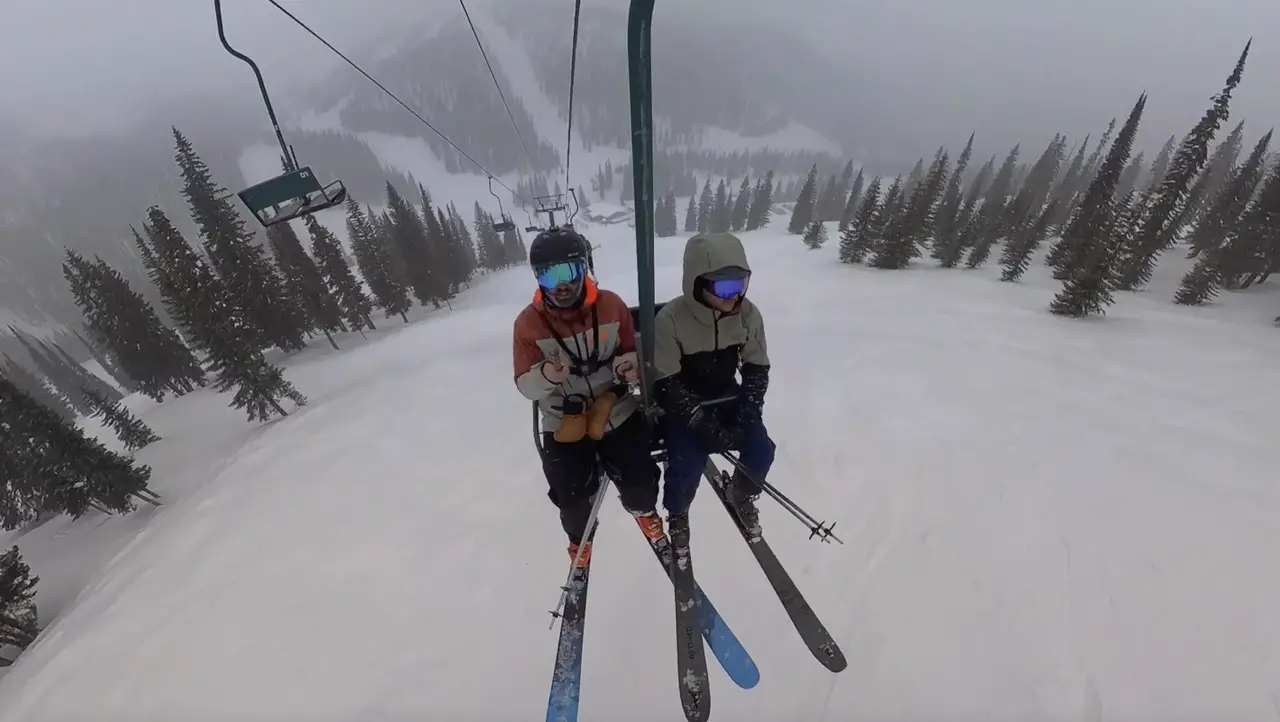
36	388
356	307
1159	230
1224	213
55	467
1089	266
1016	257
720	212
19	620
815	235
376	264
803	212
1252	251
253	284
128	428
1213	177
1160	166
706	206
219	328
98	350
741	207
913	178
410	238
761	204
137	340
856	239
491	254
851	203
305	283
691	212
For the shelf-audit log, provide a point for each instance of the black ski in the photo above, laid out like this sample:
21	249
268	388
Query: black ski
815	635
691	655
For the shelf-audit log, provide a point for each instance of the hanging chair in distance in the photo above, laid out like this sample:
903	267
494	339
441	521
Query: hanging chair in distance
296	193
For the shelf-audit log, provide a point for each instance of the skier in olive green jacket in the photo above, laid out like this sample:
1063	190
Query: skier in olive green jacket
702	339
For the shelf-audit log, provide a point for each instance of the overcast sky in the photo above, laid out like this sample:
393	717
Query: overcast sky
1040	65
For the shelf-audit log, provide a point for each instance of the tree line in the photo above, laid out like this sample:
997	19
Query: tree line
227	300
1112	217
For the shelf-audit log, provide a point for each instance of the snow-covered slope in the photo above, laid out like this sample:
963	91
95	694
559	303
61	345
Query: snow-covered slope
1045	520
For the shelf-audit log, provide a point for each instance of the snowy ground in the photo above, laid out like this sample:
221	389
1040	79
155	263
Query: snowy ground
1045	520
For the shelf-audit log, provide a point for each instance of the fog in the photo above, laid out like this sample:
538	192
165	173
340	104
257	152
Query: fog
1023	68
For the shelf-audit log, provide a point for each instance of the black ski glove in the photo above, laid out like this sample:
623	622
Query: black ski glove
755	382
715	435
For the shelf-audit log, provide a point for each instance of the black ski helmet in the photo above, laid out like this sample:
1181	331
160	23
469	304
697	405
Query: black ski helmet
561	245
558	245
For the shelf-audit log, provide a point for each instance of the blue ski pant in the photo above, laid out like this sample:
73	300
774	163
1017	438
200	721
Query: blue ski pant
687	458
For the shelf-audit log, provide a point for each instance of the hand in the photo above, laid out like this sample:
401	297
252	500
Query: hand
625	367
555	370
715	435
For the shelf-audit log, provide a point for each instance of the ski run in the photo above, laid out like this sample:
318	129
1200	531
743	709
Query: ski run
1041	519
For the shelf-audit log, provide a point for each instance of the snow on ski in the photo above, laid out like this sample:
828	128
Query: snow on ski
695	687
815	635
566	679
726	647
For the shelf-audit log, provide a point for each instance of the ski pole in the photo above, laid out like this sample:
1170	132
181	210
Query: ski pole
816	528
587	536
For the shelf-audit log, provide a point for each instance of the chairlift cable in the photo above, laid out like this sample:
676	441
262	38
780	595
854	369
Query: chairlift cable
573	72
533	167
393	96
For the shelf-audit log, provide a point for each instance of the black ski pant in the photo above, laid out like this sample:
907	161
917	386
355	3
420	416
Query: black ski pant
573	472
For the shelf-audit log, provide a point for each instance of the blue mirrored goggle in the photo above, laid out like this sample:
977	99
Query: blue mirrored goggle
569	272
728	288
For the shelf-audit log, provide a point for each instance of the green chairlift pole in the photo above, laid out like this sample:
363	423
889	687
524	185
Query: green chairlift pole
639	52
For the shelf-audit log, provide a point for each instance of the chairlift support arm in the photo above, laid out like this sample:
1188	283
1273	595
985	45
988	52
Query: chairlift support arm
290	161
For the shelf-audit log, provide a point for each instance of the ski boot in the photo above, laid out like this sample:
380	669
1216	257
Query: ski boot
678	528
651	524
574	424
586	555
742	497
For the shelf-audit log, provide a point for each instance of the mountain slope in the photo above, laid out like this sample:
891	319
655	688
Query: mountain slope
1045	519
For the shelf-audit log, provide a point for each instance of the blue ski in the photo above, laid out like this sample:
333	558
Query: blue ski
566	679
733	657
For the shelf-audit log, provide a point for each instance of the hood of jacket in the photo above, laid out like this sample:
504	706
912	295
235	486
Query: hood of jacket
707	252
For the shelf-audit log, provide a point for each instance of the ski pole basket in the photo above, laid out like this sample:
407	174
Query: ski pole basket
294	194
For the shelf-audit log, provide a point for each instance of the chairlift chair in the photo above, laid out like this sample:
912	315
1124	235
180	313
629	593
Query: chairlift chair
292	195
297	192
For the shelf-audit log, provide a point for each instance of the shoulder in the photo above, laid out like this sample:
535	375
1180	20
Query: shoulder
527	322
751	313
610	305
672	308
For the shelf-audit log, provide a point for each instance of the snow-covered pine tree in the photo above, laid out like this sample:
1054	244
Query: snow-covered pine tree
706	207
132	431
37	388
219	328
1090	266
332	265
1016	257
254	285
1160	229
19	618
815	235
304	283
376	264
409	236
741	207
761	204
803	212
855	240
